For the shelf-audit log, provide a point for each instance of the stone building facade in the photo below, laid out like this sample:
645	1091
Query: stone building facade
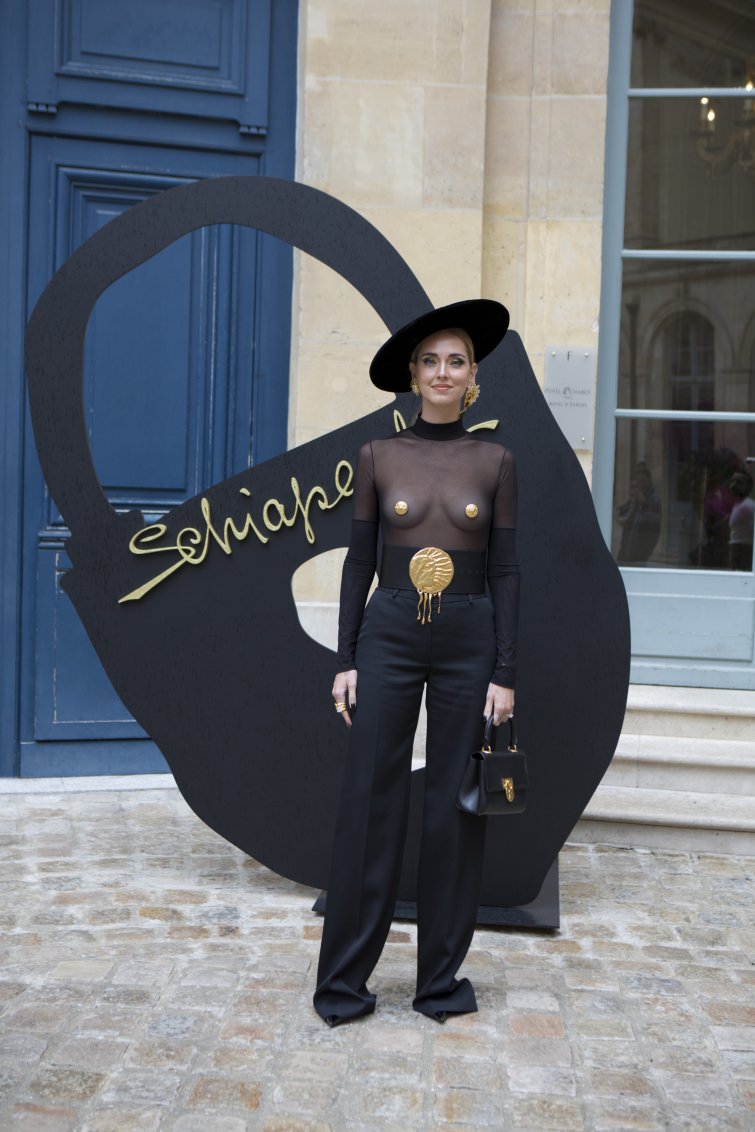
472	134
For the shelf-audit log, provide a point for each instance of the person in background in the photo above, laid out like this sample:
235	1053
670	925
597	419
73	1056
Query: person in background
741	522
640	519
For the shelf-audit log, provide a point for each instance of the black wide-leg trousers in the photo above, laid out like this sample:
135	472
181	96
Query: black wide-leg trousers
396	656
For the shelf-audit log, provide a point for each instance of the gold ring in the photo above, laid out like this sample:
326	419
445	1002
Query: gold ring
340	705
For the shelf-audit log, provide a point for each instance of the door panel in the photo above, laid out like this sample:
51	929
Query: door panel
209	58
141	376
666	622
168	379
73	698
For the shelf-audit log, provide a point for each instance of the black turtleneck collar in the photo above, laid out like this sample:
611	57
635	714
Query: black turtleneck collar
448	431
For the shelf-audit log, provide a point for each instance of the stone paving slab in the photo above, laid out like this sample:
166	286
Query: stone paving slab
153	977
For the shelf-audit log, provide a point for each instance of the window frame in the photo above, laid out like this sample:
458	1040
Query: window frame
614	254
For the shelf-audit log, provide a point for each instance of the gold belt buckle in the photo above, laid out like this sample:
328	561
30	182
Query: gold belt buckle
431	570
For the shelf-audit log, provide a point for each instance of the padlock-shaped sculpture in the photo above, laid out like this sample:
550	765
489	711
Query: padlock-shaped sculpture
194	618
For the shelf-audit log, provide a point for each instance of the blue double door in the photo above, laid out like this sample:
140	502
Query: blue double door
186	360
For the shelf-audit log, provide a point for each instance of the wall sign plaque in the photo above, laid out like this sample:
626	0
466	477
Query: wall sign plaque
569	388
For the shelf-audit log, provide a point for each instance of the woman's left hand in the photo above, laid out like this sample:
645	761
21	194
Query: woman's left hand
499	703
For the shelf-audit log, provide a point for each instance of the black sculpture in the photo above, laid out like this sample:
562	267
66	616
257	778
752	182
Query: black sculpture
194	619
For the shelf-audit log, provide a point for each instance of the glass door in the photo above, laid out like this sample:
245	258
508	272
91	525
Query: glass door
675	458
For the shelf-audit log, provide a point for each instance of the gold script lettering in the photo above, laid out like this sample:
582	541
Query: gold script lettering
192	544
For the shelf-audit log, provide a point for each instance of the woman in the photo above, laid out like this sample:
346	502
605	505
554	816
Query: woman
445	504
741	522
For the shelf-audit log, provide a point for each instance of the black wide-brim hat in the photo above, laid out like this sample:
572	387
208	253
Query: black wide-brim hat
485	321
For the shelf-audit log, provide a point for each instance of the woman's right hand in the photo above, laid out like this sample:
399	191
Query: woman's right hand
345	692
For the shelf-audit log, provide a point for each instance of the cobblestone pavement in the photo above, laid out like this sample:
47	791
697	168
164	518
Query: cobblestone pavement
153	977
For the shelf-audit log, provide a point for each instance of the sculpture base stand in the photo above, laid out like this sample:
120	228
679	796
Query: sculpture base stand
540	913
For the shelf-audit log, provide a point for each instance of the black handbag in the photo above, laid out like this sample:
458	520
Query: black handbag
494	782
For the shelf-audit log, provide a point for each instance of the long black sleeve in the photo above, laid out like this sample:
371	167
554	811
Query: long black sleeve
356	579
360	562
503	580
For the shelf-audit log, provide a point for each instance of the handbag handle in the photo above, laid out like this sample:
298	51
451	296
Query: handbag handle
487	739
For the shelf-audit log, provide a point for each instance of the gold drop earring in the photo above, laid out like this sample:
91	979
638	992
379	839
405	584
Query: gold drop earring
414	387
470	396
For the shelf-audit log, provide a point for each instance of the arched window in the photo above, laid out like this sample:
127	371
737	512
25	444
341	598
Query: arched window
688	362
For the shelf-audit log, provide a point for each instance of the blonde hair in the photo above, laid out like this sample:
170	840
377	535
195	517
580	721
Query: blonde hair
448	330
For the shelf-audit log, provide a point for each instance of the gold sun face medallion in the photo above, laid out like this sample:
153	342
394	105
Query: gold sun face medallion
471	510
430	570
401	508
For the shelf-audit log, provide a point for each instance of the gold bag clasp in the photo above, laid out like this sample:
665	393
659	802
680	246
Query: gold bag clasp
508	786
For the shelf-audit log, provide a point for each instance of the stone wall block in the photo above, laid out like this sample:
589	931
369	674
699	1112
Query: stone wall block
319	579
507	157
580	50
560	308
475	42
454	144
512	40
539	157
576	158
333	311
364	141
504	266
426	40
334	388
542	49
572	308
443	247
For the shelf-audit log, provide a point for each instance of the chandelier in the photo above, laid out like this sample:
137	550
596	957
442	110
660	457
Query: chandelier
737	147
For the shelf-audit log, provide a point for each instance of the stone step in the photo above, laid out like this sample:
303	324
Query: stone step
663	762
696	713
670	819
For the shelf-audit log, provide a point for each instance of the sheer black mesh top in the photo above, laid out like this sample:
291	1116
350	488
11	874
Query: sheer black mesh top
452	491
437	482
